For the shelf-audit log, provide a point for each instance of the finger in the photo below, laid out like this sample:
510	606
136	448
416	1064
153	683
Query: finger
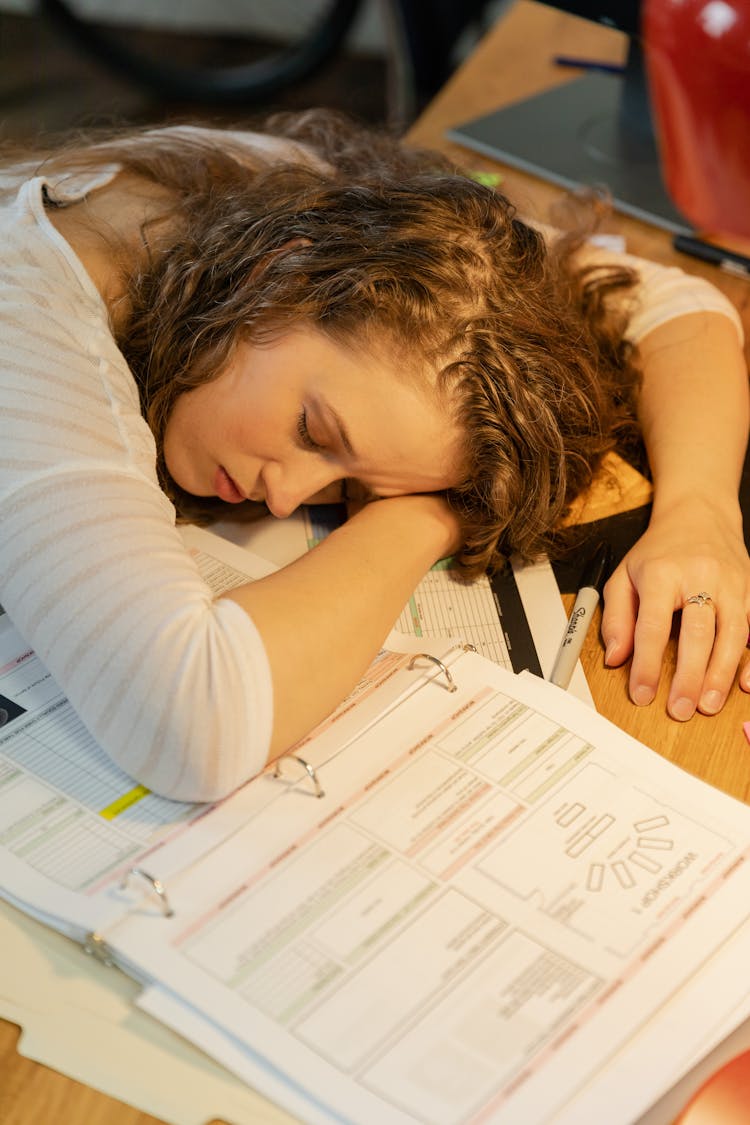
652	628
618	617
694	648
731	641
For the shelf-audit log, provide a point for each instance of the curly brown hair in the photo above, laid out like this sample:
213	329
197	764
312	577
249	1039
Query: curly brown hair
384	243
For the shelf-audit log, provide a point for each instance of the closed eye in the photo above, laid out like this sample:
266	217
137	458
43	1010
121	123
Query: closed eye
307	441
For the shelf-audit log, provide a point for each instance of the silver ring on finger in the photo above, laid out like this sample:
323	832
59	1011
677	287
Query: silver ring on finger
701	598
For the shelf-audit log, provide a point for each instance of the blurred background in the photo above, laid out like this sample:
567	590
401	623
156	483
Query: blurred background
70	64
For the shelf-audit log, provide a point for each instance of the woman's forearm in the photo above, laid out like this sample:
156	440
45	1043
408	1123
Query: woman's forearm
693	408
324	617
694	417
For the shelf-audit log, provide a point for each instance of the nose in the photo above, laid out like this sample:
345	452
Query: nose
287	488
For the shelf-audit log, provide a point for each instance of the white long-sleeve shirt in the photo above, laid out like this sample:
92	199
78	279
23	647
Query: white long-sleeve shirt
174	685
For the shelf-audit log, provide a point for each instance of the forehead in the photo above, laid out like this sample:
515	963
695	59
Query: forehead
403	432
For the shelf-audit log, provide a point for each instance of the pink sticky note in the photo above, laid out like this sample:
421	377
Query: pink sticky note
746	728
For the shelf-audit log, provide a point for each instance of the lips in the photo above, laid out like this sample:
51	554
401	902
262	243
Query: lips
225	488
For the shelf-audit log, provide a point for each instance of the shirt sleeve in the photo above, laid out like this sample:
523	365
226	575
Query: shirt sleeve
662	293
173	684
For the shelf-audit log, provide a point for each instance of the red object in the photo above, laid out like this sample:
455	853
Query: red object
697	56
724	1099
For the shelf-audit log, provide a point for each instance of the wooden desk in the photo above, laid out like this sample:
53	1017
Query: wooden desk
513	61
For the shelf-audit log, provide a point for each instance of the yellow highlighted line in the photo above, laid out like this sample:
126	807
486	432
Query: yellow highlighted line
124	802
416	623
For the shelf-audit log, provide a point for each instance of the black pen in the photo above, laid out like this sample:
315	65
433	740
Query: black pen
728	260
593	578
588	64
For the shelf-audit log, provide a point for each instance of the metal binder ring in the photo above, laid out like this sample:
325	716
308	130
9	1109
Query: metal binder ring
310	771
451	684
157	885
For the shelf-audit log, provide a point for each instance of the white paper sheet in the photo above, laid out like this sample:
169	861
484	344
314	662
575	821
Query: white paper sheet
536	853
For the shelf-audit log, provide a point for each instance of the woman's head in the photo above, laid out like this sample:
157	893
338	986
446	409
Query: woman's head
287	419
394	255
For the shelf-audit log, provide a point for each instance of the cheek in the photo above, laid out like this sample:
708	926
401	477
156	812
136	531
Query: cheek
185	437
195	416
217	422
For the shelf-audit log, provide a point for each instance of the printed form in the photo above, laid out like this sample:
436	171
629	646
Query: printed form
497	893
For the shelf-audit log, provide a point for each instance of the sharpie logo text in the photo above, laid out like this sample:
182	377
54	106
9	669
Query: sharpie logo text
575	620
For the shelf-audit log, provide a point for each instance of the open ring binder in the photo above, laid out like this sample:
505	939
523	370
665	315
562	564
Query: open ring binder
309	770
426	814
95	945
157	885
450	682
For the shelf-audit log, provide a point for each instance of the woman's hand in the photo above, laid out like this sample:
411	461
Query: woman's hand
356	496
695	546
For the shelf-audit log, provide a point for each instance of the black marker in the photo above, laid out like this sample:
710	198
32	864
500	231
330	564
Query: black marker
594	576
727	260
